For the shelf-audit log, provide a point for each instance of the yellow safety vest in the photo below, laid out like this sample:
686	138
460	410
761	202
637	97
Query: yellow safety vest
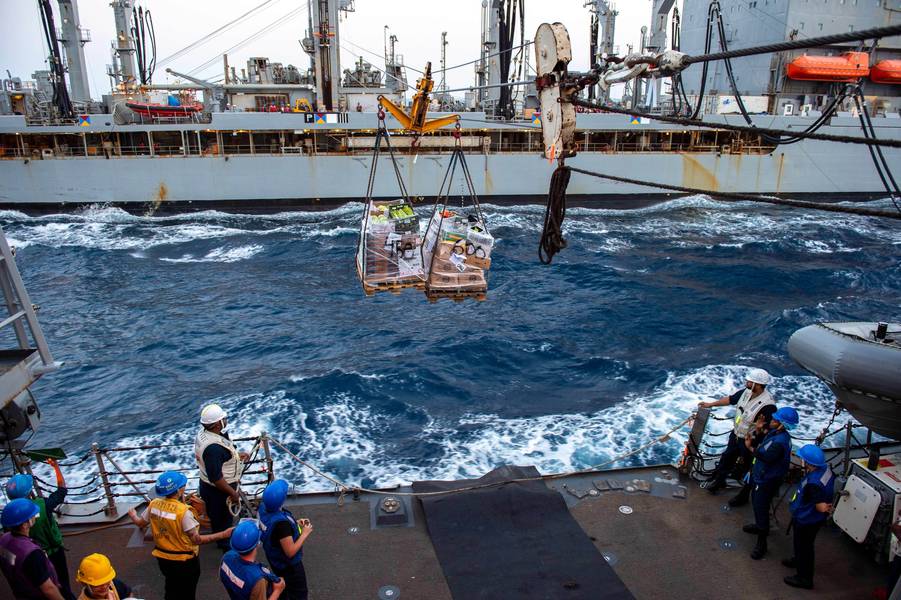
172	543
111	594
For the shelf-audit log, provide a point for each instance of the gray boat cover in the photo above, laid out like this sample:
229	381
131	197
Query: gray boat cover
516	540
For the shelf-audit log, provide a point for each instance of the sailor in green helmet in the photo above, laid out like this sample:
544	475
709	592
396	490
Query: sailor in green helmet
45	530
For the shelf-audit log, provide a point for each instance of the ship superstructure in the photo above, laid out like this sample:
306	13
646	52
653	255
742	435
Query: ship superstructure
272	134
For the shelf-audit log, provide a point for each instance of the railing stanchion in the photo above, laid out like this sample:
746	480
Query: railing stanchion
270	476
110	509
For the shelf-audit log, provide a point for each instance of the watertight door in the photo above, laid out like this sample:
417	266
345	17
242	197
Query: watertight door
856	510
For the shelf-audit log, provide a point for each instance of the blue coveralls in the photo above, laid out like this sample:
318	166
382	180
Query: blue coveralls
290	569
239	576
771	461
818	486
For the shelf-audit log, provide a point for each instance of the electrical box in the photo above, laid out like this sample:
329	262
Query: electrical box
870	505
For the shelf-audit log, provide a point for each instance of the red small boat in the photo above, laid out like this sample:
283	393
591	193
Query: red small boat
848	67
886	71
164	110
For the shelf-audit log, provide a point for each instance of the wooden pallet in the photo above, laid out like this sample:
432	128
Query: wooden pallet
371	288
455	295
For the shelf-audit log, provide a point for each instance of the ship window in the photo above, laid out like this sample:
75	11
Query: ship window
820	25
850	27
801	25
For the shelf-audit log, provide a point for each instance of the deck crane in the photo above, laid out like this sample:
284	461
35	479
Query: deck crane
416	120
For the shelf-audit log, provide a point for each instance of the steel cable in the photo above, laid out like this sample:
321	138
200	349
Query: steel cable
852	210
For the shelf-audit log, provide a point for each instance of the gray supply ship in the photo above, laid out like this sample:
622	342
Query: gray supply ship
274	135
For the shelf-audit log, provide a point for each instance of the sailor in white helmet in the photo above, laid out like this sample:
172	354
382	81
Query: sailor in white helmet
220	466
748	403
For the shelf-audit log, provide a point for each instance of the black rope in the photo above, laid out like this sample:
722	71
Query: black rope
552	240
882	166
78	461
826	40
852	210
48	485
826	137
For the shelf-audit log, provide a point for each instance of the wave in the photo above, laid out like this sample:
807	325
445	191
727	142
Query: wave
222	255
350	439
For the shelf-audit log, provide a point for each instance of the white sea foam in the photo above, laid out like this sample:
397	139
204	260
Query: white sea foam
222	255
345	436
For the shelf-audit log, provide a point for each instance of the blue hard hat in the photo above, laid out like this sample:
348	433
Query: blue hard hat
19	486
17	512
170	482
245	537
275	494
812	455
787	416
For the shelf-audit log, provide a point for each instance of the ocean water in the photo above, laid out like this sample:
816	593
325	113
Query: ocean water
646	313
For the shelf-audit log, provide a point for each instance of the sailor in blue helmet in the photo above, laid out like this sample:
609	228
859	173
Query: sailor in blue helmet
242	576
283	539
46	530
772	458
810	507
29	572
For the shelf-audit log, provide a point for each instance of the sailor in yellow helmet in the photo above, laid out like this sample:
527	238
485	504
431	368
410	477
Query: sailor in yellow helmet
176	536
99	579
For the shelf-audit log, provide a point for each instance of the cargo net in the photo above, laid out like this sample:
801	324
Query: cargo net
389	256
457	246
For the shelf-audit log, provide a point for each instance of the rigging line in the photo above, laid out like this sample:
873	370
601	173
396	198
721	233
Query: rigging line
481	58
472	88
826	137
838	208
212	34
251	38
826	40
378	55
385	73
504	123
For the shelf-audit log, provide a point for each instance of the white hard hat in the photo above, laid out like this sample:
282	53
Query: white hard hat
759	376
211	413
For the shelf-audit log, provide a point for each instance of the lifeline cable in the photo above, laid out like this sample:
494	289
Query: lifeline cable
344	488
852	210
826	137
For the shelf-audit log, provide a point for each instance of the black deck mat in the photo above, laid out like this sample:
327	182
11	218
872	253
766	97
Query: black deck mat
514	541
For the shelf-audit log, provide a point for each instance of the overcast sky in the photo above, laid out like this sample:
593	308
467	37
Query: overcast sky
417	24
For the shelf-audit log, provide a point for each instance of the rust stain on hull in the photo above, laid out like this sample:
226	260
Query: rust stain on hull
162	194
696	175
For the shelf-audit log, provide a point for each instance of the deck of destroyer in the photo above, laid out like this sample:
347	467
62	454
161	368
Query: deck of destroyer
664	546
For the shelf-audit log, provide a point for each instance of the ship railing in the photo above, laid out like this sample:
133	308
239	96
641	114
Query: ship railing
112	486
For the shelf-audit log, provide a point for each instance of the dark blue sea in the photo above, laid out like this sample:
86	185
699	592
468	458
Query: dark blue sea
646	313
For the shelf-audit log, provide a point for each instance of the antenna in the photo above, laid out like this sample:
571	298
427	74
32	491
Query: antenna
442	87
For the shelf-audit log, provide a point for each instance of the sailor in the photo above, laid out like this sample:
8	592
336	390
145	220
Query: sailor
283	539
46	530
810	507
747	401
25	565
242	576
759	431
220	466
176	535
99	579
771	462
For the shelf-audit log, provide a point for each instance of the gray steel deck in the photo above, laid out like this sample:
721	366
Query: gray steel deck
666	548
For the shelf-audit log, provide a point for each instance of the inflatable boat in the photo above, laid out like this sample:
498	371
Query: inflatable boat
861	364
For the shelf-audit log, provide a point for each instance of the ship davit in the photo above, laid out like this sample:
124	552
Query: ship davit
850	66
861	364
886	71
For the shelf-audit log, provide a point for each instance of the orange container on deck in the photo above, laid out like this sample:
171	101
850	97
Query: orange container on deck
886	71
847	67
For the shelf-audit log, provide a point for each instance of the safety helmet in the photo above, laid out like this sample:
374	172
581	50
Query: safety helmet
170	482
245	537
211	413
17	512
812	455
19	486
95	569
788	416
275	494
758	376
